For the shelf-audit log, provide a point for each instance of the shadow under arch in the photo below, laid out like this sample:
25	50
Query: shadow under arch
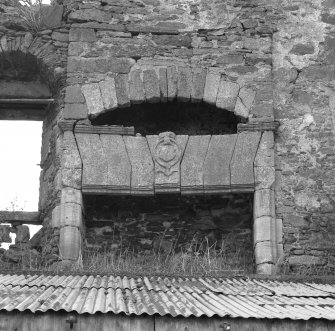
180	117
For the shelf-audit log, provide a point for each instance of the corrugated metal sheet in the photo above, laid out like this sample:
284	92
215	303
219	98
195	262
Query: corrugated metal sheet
231	297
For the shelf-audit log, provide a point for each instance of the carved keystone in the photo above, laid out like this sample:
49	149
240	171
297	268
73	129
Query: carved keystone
167	150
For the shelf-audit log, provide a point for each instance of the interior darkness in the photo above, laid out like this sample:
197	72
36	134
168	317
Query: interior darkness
178	117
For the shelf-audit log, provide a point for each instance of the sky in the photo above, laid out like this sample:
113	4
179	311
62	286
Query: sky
20	153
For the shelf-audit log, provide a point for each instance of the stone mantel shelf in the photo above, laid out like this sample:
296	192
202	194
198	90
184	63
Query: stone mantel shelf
167	163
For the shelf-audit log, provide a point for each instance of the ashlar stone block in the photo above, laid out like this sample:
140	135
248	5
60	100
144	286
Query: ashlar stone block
211	88
264	204
75	111
108	93
262	229
93	99
71	215
263	252
227	95
71	195
151	86
73	94
265	153
70	243
264	177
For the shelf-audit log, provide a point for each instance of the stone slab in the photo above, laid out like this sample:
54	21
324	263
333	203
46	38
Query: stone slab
142	166
93	99
227	95
95	167
192	166
167	150
136	87
119	168
242	162
86	35
198	84
151	86
217	163
172	81
211	88
108	93
122	90
184	84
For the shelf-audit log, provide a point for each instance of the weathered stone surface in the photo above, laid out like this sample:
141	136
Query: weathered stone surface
227	95
122	90
87	35
184	84
264	177
172	80
71	195
73	94
55	217
142	167
244	102
75	111
198	84
87	15
173	40
95	166
192	166
22	234
263	252
71	215
93	99
167	150
163	84
69	243
62	37
108	93
151	86
136	87
71	177
51	16
264	203
265	269
119	168
242	162
5	230
265	152
306	260
29	90
262	230
302	49
70	154
211	88
217	163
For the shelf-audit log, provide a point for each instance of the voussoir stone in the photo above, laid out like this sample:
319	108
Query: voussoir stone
227	95
163	84
172	81
73	94
136	87
93	98
184	84
75	111
108	93
151	86
122	90
211	88
198	84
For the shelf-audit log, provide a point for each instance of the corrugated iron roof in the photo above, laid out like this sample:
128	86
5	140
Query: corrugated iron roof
228	297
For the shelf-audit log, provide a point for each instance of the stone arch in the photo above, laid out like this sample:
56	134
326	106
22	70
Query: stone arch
160	84
30	59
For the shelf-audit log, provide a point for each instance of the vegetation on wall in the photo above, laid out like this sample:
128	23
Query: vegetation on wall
30	11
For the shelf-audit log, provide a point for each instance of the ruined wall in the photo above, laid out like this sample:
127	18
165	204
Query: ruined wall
260	60
304	73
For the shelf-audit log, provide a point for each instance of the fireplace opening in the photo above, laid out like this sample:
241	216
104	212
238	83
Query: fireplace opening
171	224
181	118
